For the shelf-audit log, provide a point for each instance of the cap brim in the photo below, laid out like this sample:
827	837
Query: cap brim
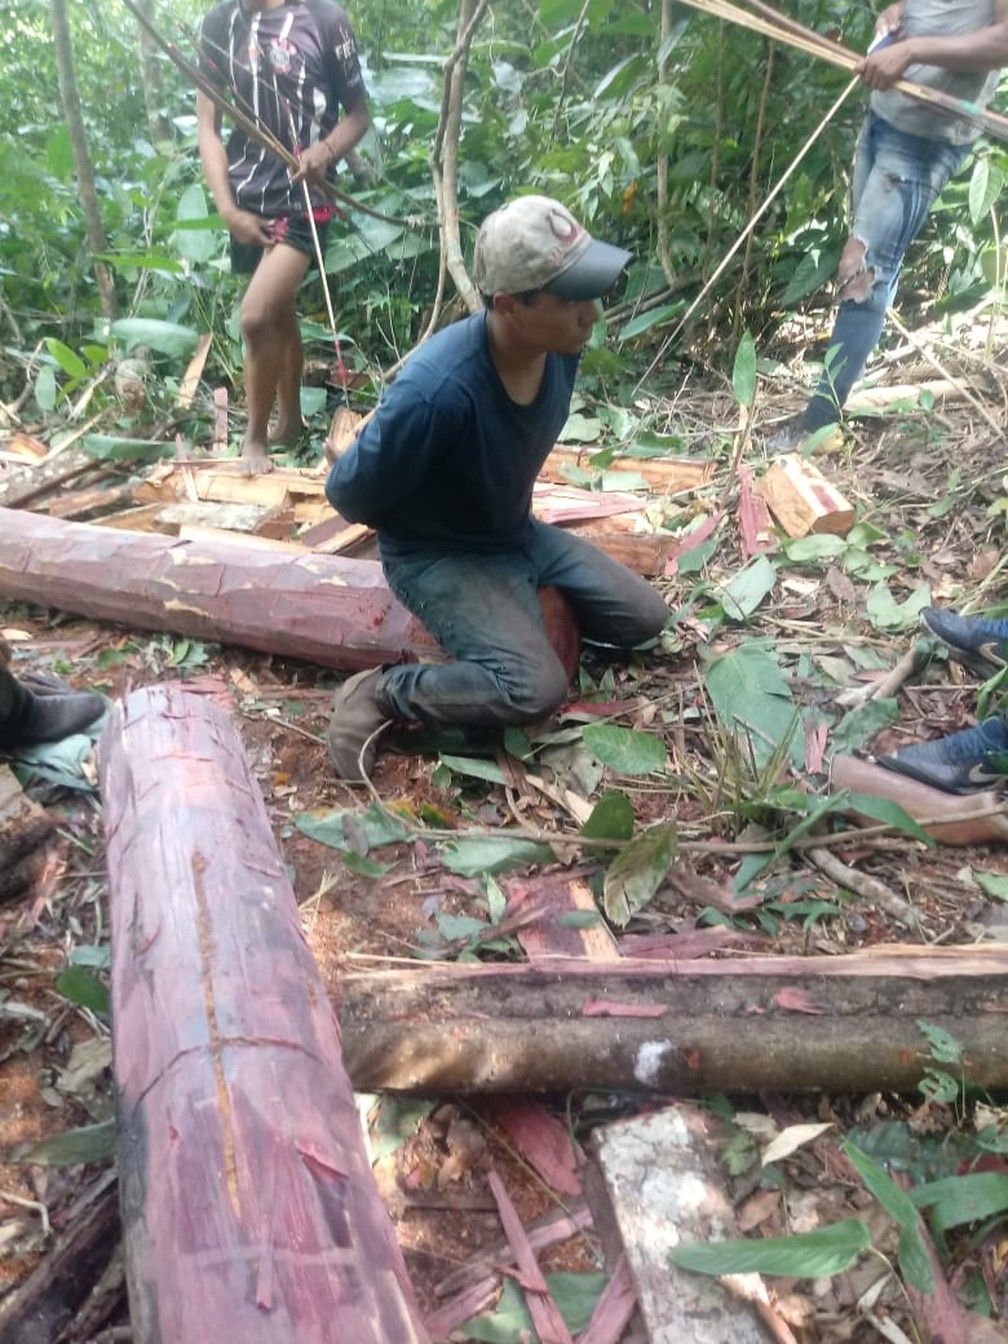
593	274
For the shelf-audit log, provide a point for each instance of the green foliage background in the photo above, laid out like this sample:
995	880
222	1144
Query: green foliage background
560	97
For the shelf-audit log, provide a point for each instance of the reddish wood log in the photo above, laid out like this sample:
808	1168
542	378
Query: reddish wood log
325	609
249	1209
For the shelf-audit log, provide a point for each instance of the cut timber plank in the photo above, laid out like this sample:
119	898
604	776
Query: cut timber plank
645	553
250	1211
802	500
171	517
665	1188
670	476
194	372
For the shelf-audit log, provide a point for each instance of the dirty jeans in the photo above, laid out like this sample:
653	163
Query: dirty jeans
896	179
483	609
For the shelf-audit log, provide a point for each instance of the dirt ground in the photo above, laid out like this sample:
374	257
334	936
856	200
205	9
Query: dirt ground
435	1181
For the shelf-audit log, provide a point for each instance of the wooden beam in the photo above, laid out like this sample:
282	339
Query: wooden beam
846	1023
249	1208
802	499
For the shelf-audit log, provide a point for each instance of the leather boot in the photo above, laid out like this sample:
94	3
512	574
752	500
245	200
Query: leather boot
356	715
27	718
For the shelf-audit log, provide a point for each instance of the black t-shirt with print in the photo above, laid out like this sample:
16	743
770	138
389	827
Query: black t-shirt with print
291	68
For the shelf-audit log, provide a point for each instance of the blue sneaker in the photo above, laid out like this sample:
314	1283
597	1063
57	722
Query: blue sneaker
965	762
978	643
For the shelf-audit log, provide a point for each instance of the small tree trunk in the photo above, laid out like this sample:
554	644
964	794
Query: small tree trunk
844	1024
70	99
150	73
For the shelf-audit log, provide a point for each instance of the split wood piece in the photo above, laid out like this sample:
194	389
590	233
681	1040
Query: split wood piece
327	610
670	476
952	819
249	1208
802	499
49	1299
170	518
943	390
543	1141
755	529
221	435
91	502
24	829
549	1325
553	936
645	553
845	1023
189	385
666	1187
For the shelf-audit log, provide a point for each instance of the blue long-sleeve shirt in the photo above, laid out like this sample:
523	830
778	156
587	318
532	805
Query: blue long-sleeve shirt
448	459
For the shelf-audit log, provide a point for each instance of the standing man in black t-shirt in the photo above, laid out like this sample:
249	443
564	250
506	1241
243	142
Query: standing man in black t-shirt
291	65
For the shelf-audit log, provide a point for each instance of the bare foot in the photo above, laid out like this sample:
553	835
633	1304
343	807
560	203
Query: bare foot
255	460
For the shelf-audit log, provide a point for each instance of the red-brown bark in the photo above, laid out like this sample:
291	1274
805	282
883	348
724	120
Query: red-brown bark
249	1208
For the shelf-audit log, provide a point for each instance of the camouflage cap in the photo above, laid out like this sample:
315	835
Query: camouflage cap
533	243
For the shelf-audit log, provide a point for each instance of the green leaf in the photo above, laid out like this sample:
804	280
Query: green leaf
896	1202
994	884
45	388
74	1147
744	370
612	818
81	987
624	749
109	448
87	954
644	322
70	362
575	1295
167	338
344	829
473	858
816	546
475	767
746	590
638	871
889	814
364	867
809	1255
392	1120
955	1200
752	697
885	613
859	725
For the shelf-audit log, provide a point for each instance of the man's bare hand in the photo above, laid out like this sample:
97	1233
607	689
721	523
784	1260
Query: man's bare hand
313	163
890	21
249	228
884	67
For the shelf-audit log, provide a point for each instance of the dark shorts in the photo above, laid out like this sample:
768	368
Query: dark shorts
294	230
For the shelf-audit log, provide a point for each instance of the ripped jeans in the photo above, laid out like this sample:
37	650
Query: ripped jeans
897	178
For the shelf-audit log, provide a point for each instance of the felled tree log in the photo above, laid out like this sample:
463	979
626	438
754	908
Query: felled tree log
847	1024
325	609
249	1209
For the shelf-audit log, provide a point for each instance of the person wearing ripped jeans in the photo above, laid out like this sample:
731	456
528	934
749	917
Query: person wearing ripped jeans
907	151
